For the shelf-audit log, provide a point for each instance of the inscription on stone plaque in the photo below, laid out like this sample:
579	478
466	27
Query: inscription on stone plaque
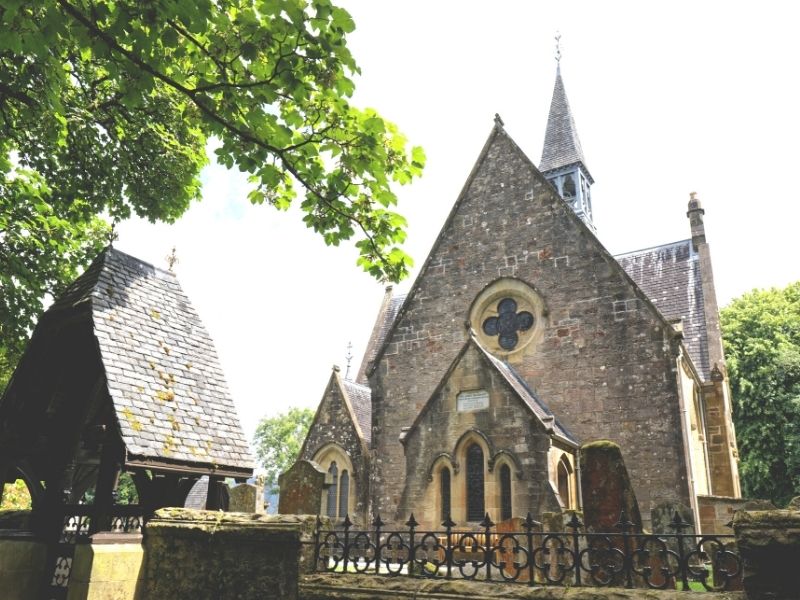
472	400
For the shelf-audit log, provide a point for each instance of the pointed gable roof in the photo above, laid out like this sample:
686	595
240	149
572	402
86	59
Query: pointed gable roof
161	369
360	398
383	323
562	147
516	384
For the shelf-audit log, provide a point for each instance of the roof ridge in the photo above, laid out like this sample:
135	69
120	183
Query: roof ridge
657	246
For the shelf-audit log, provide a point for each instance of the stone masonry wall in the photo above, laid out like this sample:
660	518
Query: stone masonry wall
606	364
334	425
508	425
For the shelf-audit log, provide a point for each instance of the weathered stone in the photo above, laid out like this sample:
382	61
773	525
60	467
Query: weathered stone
759	504
355	587
106	571
607	490
205	555
22	563
244	498
301	489
769	544
794	503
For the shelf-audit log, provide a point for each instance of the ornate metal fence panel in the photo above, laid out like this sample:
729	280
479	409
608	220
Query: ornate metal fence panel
77	526
530	556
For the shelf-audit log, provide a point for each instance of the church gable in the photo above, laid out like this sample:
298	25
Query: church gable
604	357
479	404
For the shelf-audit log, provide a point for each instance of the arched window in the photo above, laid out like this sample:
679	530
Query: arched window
344	493
444	484
333	490
563	482
505	492
476	507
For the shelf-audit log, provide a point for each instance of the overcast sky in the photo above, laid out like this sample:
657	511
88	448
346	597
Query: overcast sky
669	98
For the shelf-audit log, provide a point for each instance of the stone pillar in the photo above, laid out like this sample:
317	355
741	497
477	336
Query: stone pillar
769	544
22	563
108	567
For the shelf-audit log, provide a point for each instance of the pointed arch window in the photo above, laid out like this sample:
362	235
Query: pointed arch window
444	488
333	490
569	186
505	492
476	506
564	473
344	493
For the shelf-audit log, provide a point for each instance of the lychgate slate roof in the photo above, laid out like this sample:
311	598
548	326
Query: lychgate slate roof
670	276
562	146
161	367
360	397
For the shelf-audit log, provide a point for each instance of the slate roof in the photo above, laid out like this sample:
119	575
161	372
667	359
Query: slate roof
527	395
161	367
562	147
360	397
386	316
670	276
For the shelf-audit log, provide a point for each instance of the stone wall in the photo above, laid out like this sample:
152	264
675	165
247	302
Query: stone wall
354	587
22	560
716	513
605	363
205	555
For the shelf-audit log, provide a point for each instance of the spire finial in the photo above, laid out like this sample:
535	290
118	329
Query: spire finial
172	260
348	358
558	48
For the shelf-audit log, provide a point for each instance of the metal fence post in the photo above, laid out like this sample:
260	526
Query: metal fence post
377	523
575	524
347	524
411	524
679	525
624	524
487	525
448	525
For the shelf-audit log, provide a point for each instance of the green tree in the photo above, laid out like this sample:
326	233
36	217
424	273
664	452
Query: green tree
278	441
106	107
112	101
16	496
761	332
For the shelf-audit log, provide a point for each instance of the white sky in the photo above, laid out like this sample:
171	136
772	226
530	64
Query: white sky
669	98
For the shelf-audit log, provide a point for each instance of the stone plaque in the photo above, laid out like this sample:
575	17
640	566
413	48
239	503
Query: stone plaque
472	400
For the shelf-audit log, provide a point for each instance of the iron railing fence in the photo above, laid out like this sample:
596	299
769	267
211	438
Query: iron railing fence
575	557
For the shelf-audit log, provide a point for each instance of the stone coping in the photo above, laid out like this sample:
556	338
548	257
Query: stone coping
366	587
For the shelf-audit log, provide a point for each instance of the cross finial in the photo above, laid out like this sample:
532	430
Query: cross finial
172	260
113	236
558	48
348	358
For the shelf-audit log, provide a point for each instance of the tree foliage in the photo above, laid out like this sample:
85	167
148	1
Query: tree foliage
278	441
106	107
16	496
112	101
761	331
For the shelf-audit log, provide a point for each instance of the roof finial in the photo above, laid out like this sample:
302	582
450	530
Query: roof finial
497	120
172	260
558	49
113	236
348	358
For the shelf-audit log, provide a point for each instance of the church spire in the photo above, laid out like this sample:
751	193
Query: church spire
562	156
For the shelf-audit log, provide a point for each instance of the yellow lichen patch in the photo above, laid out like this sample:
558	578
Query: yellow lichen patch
176	426
189	366
165	395
154	314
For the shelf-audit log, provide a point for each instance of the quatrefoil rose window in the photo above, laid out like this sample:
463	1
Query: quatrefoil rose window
506	316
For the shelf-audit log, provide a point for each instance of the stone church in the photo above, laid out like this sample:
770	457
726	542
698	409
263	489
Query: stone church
522	339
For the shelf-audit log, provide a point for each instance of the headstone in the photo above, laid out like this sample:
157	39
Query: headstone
607	490
301	489
505	554
794	503
244	498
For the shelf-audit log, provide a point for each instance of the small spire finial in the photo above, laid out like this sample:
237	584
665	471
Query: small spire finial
172	260
558	48
497	120
348	358
113	236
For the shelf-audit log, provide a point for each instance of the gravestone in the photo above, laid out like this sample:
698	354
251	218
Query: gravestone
245	498
301	489
607	489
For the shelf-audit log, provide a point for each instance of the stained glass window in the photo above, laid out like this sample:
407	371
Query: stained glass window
344	493
505	492
476	507
507	323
